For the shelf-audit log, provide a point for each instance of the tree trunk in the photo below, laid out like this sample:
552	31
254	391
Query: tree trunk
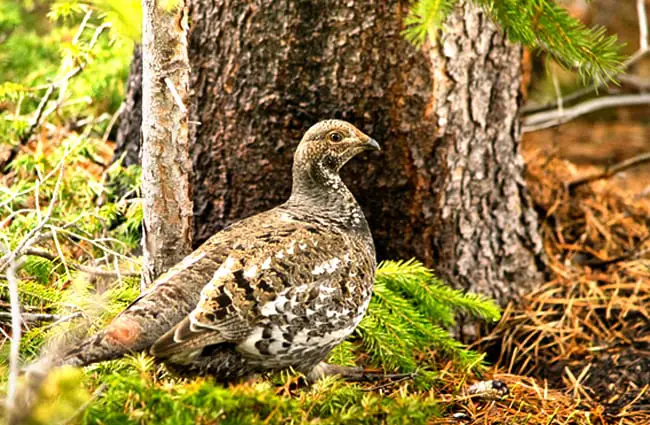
264	71
129	140
486	228
166	166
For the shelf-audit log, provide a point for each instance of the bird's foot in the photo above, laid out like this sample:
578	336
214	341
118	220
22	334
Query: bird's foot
350	373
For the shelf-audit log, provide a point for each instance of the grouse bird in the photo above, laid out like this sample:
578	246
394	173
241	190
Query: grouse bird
279	289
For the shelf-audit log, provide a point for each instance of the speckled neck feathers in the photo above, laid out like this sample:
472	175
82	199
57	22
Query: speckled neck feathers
316	192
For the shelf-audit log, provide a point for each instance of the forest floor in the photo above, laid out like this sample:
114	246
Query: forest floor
585	333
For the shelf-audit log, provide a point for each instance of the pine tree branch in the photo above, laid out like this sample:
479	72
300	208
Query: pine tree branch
33	235
424	18
593	88
623	76
537	24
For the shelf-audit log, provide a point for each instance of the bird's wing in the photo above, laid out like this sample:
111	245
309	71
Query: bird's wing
215	319
232	302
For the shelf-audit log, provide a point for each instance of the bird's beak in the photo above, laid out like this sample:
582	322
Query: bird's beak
372	145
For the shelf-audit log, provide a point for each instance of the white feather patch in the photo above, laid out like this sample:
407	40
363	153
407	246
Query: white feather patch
327	267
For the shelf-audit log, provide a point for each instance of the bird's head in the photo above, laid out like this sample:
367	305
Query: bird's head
324	149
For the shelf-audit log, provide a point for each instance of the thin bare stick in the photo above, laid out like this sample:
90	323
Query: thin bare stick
60	253
13	214
610	171
643	24
33	234
33	317
72	235
554	118
14	353
65	81
81	267
558	94
82	26
112	122
636	81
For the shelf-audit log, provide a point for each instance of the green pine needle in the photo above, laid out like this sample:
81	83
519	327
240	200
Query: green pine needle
409	313
425	18
538	24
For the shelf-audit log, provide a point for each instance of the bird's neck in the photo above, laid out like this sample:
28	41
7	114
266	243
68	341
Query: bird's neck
325	195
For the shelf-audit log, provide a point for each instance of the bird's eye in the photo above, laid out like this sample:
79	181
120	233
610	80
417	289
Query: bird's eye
335	137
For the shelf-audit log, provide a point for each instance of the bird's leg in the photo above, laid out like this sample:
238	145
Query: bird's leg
351	373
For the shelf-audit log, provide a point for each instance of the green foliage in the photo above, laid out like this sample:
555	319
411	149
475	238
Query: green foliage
38	53
135	391
424	18
409	312
538	24
125	16
9	16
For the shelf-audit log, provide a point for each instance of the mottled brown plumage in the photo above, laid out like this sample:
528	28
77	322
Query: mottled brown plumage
278	289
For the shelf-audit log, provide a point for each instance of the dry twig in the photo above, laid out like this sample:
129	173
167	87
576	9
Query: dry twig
611	171
81	267
16	327
554	118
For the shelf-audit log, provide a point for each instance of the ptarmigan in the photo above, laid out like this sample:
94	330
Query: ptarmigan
279	289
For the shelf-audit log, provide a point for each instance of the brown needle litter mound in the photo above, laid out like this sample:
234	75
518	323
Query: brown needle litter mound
587	329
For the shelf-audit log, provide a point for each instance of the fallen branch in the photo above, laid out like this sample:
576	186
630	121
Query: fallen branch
610	171
556	117
532	109
638	82
112	122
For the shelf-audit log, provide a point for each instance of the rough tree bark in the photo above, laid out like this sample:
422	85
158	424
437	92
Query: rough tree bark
166	166
447	188
485	224
129	139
